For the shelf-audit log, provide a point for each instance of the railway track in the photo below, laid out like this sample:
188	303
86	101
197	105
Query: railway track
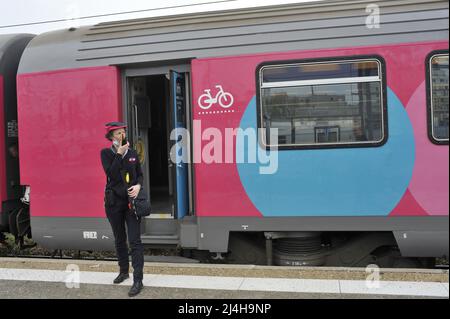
90	258
55	257
160	255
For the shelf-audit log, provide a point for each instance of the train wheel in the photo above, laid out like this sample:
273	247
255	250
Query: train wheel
390	257
247	248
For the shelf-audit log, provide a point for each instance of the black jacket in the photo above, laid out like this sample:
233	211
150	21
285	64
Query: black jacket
116	167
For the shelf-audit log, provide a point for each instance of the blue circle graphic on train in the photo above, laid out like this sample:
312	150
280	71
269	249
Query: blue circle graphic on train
331	182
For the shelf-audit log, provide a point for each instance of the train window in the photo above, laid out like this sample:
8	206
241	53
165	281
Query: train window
323	104
438	90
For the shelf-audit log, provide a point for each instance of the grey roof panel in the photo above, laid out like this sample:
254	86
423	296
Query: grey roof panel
319	10
170	57
324	24
183	34
257	39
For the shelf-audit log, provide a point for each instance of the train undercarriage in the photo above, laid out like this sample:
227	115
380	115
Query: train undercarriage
284	249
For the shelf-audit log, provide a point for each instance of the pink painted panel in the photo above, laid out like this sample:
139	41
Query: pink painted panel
429	184
219	191
61	132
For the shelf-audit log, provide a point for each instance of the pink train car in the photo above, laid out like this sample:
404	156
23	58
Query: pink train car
303	134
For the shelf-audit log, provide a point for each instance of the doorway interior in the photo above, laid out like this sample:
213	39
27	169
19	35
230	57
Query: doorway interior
157	104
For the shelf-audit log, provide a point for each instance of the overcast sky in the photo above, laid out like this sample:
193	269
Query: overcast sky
38	16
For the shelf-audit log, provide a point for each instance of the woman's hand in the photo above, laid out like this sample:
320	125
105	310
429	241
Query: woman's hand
122	149
133	191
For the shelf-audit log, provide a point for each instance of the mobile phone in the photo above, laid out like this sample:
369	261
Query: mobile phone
124	141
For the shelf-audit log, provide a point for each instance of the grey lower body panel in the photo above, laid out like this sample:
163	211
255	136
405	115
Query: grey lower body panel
214	232
423	243
416	236
73	233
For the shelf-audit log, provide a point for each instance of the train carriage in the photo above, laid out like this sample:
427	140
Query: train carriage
303	134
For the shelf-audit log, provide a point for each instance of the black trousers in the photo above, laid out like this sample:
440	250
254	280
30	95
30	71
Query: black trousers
119	215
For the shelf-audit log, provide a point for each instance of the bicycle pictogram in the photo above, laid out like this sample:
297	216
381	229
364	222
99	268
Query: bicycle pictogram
225	99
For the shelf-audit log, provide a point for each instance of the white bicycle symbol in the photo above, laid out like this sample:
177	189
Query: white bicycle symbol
224	99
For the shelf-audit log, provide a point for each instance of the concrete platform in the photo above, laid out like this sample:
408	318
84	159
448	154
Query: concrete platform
74	277
74	282
54	290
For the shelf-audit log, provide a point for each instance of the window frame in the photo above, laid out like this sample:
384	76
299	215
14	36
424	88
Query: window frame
429	89
344	59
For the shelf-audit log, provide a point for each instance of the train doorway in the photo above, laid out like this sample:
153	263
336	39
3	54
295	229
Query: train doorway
158	105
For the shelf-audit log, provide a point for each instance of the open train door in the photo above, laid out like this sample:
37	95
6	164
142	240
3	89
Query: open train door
179	148
158	115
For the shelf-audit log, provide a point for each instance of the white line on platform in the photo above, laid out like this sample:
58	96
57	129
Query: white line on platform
394	288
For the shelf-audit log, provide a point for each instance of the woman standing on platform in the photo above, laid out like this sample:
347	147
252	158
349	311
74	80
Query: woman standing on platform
124	180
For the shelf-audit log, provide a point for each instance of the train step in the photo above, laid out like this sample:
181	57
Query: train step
160	239
159	227
171	259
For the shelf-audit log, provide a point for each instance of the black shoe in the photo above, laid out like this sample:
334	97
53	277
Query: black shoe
136	289
121	278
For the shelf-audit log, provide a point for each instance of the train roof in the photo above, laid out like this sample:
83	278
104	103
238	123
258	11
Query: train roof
11	48
180	38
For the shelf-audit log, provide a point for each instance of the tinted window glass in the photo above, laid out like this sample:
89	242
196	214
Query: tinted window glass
439	97
328	112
